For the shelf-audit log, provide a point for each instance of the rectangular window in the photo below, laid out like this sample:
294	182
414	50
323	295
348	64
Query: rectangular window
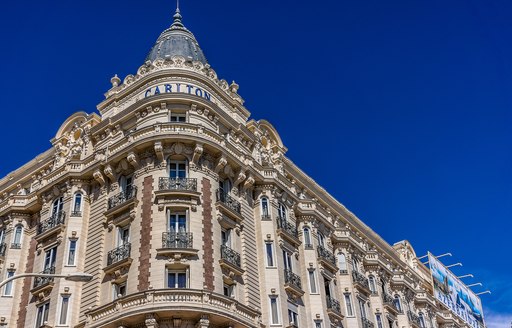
312	282
177	169
118	290
176	279
378	319
50	258
226	237
274	311
348	304
64	305
287	258
293	316
269	247
8	286
229	290
123	235
318	324
42	314
178	117
72	252
362	308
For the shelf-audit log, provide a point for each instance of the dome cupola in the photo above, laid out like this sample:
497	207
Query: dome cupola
177	40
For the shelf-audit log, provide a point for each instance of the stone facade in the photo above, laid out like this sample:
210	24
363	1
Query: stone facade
189	214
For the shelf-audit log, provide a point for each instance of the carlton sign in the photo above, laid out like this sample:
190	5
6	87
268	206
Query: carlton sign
176	87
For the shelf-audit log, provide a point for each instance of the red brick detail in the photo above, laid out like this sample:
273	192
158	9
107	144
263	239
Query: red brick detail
146	226
207	234
25	291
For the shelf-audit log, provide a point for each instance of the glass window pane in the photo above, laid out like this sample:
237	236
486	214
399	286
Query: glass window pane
270	255
64	310
182	280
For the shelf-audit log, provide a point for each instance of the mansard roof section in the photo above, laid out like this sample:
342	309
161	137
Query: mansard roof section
162	76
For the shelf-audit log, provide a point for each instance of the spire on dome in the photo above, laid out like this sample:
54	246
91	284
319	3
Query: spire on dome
177	40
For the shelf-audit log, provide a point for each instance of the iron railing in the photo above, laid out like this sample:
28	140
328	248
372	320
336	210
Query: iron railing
265	216
122	197
287	227
230	255
414	318
40	281
119	253
53	221
185	184
3	247
76	214
323	253
229	201
292	278
177	240
360	278
333	304
343	271
366	323
15	245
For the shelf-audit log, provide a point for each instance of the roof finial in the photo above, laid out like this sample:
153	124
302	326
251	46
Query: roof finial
177	16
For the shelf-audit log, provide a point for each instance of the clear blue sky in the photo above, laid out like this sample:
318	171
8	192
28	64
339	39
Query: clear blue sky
400	109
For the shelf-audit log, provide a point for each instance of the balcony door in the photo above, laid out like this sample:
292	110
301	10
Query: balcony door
50	258
125	183
123	235
177	169
177	222
58	204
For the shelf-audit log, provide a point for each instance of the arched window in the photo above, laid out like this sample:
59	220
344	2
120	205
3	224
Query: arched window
421	320
372	284
57	206
321	239
77	205
281	211
342	263
265	213
307	238
17	238
398	303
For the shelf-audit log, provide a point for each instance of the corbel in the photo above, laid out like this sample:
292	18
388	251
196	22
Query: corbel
198	151
109	172
99	177
159	150
221	163
133	159
249	182
241	177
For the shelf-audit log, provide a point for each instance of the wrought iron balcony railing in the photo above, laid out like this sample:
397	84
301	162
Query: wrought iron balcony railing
292	278
119	253
15	245
360	279
389	301
265	216
230	255
40	281
325	254
333	304
229	201
3	247
343	271
414	318
287	227
122	197
185	184
177	240
366	323
76	214
54	220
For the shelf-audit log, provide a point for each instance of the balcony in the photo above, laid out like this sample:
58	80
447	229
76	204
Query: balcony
177	244
43	283
326	258
15	245
292	283
366	323
118	258
3	248
229	206
50	223
76	214
361	282
177	184
414	319
122	199
389	304
265	217
288	231
230	260
163	302
333	307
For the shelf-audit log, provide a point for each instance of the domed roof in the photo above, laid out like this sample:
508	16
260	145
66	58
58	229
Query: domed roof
177	40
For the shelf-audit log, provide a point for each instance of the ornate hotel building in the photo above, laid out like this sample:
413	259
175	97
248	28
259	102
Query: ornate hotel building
189	214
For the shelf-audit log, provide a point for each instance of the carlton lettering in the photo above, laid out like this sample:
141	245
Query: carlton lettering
177	88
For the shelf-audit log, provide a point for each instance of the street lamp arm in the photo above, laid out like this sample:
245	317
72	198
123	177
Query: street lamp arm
78	276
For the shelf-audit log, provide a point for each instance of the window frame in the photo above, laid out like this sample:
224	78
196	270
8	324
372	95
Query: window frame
9	285
270	243
116	288
57	205
72	241
177	169
61	308
176	273
265	207
42	313
313	285
50	258
78	195
275	318
349	305
178	114
15	239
